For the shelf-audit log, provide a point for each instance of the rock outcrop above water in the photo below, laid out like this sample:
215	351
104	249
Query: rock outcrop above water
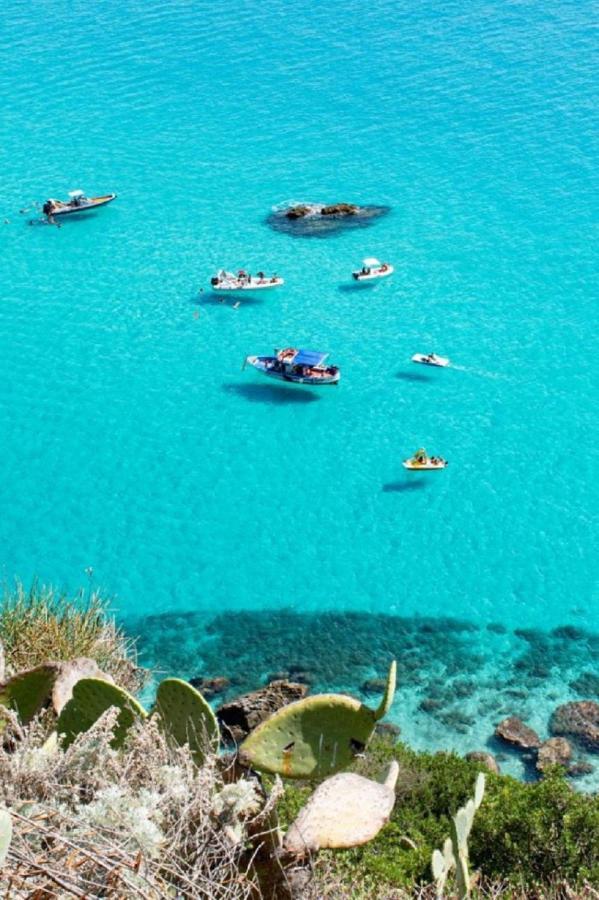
242	715
578	720
513	731
485	759
320	220
554	752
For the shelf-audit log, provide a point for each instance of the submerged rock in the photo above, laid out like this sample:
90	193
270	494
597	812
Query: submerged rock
579	768
485	759
586	684
209	687
242	715
554	752
579	720
320	220
513	731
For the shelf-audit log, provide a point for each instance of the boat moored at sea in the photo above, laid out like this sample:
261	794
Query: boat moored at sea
423	462
430	359
297	366
372	269
229	283
78	203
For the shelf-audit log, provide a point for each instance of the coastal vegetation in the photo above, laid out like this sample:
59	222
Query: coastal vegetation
109	798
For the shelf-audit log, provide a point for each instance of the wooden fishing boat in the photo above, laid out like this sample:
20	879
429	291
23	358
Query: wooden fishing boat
296	366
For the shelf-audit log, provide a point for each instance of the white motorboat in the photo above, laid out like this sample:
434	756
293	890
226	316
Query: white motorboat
430	359
372	269
229	283
421	461
297	366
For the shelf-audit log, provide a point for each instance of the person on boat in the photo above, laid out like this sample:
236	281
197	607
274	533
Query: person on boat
365	270
384	267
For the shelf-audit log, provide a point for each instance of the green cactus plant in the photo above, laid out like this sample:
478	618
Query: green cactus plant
455	848
91	698
5	834
28	692
187	717
314	737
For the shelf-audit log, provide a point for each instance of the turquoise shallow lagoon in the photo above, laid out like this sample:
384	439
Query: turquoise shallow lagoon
247	527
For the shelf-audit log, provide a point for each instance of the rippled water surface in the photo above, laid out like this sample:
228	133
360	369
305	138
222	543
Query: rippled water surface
132	442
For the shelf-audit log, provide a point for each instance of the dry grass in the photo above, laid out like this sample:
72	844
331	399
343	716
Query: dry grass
93	822
41	624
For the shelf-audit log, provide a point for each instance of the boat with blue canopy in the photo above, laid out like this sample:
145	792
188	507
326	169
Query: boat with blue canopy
297	366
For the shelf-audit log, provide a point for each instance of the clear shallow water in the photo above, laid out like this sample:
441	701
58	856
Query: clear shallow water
133	443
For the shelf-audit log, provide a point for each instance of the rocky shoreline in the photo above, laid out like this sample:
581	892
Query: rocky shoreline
457	680
574	726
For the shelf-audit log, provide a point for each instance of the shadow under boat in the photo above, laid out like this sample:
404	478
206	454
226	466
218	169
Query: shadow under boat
414	376
271	393
404	487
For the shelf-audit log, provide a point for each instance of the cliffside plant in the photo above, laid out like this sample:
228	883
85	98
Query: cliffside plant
41	624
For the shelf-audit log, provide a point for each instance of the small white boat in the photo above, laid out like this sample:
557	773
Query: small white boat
430	359
297	366
423	462
372	269
229	283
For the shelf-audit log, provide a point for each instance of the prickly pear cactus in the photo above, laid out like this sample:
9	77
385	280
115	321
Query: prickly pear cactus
187	717
314	737
385	704
455	849
28	692
5	834
91	698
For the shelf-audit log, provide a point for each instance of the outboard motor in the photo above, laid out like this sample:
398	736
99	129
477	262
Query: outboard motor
47	208
214	280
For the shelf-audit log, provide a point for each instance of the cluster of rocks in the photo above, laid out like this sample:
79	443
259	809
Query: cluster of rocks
573	725
335	209
320	219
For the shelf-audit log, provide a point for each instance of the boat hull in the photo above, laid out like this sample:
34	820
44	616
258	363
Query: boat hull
265	365
252	288
90	203
423	467
439	362
361	278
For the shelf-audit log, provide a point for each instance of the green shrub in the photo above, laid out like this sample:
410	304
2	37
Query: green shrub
523	834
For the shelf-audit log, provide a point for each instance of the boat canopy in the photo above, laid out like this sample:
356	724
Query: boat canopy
371	261
309	358
75	194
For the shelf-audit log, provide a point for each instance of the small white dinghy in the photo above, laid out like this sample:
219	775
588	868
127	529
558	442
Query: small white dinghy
421	461
430	359
229	283
372	269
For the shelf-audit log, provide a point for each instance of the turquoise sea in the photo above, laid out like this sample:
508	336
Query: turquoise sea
245	527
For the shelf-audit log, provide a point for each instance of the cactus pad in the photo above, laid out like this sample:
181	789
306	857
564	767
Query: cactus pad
329	818
91	698
385	704
28	692
5	834
311	738
187	717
